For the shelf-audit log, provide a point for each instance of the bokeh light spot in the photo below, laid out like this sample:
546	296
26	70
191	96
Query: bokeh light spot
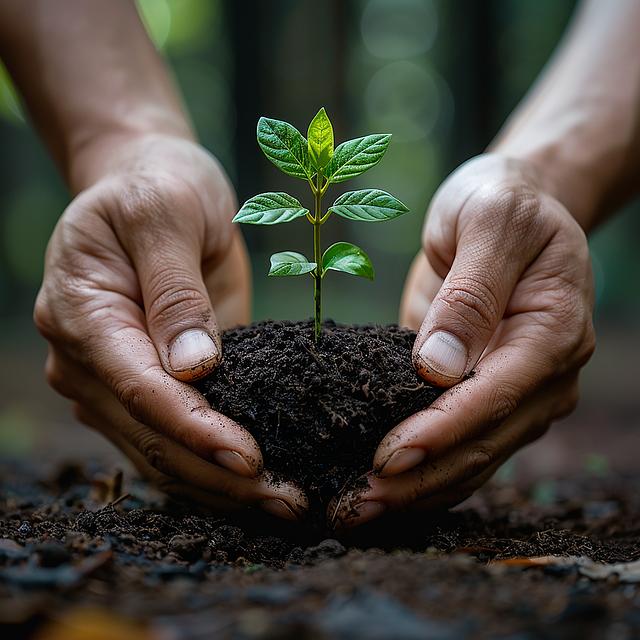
404	98
396	29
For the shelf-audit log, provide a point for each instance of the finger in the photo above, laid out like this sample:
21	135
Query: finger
496	236
89	308
174	469
452	473
166	249
547	333
365	511
178	472
456	495
501	381
127	364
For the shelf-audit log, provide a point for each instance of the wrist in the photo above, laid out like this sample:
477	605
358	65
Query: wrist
569	183
97	151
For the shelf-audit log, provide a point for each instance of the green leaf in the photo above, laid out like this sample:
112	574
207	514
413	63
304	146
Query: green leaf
285	146
368	205
354	157
290	263
346	257
270	208
320	137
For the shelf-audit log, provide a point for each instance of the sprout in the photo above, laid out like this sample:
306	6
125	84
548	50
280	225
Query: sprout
316	161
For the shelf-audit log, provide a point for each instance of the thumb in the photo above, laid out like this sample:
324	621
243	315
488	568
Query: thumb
492	243
178	310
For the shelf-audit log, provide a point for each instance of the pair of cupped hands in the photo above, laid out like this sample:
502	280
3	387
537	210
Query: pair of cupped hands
145	268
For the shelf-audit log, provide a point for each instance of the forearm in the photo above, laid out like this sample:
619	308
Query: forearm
90	78
580	126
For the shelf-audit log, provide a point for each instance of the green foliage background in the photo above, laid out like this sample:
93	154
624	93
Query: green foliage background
441	76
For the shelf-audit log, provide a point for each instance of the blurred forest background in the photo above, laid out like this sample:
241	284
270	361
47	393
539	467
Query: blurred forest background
441	75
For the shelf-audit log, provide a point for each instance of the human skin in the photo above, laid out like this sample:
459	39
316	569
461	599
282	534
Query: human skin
144	267
503	288
146	252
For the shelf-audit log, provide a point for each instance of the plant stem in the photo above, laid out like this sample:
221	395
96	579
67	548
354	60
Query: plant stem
317	258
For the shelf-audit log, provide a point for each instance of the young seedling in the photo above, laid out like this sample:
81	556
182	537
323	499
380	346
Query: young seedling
315	160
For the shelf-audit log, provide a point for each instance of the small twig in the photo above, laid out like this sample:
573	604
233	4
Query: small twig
335	511
312	354
341	496
117	501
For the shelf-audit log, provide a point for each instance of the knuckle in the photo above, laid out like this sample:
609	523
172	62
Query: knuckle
576	337
510	204
568	311
472	302
143	201
56	379
43	317
456	438
478	459
172	299
503	402
526	210
566	297
131	394
156	452
587	344
146	200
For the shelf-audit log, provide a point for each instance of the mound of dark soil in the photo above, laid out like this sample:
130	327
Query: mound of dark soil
318	411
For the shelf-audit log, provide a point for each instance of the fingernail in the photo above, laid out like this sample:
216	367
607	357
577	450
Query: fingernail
402	460
234	461
279	508
445	354
361	513
191	349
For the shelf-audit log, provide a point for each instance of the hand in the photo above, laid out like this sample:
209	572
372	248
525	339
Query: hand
503	297
134	270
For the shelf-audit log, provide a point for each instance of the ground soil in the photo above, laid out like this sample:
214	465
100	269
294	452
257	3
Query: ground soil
86	555
141	568
318	411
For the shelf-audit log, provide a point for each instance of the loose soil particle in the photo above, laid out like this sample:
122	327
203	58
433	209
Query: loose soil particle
318	411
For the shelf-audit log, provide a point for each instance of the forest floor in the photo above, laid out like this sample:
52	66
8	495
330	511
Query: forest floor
83	555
